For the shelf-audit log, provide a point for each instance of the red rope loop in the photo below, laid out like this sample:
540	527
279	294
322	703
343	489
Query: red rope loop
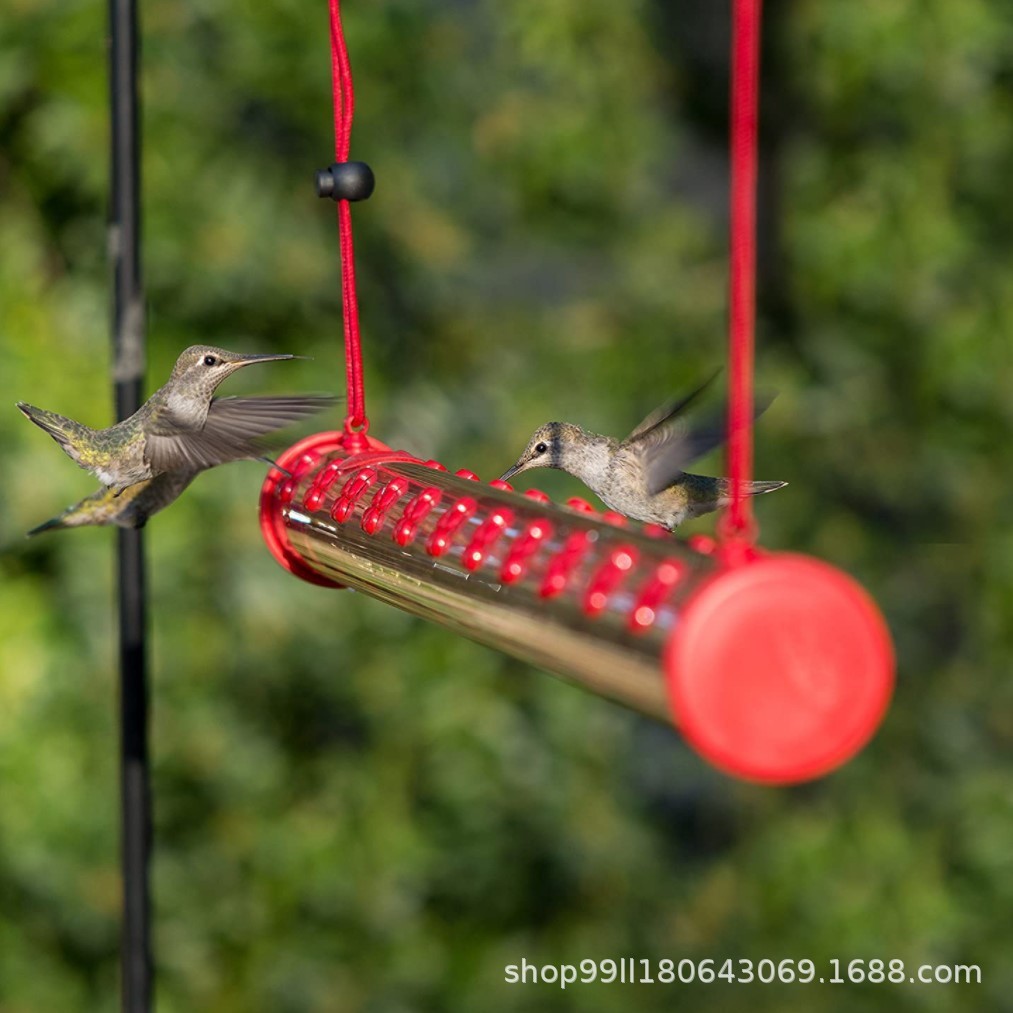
737	524
344	109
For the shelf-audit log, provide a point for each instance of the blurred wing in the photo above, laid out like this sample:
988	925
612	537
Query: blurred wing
673	443
233	428
669	410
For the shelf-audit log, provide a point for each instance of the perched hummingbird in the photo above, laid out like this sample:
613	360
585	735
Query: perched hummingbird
641	477
129	508
182	427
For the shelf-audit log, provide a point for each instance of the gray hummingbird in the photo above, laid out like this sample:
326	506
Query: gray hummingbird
642	476
128	508
182	427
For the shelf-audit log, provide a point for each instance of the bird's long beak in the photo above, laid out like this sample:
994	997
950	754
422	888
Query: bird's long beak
247	360
510	472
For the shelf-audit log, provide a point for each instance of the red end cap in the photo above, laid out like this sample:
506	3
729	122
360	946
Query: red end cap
780	670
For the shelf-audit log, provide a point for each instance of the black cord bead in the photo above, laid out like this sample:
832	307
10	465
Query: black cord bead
346	181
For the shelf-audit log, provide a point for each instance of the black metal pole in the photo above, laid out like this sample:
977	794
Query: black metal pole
128	373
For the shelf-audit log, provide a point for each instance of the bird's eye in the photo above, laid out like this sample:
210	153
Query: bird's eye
541	448
209	360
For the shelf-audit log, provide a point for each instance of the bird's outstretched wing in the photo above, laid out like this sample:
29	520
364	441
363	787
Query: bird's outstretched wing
667	442
670	410
233	431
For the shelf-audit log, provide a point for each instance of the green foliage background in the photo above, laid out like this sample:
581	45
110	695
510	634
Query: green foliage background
358	811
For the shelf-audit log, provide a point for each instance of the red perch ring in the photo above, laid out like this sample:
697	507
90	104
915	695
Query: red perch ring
780	670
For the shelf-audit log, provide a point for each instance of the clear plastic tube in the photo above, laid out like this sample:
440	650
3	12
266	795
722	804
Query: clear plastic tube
577	593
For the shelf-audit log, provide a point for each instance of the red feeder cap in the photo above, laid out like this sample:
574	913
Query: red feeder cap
780	669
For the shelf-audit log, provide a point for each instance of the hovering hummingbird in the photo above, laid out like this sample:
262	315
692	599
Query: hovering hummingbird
642	476
182	427
129	508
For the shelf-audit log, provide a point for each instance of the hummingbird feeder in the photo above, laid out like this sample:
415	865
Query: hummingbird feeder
776	667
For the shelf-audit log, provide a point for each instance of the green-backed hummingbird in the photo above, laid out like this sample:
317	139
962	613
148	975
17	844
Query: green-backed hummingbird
182	427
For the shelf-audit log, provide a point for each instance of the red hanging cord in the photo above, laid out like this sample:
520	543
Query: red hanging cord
356	421
738	525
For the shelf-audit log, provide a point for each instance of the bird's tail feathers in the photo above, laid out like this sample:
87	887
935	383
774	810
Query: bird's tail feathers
705	493
62	429
50	525
752	488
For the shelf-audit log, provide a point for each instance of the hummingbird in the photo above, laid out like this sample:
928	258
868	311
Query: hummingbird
642	476
182	427
129	508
